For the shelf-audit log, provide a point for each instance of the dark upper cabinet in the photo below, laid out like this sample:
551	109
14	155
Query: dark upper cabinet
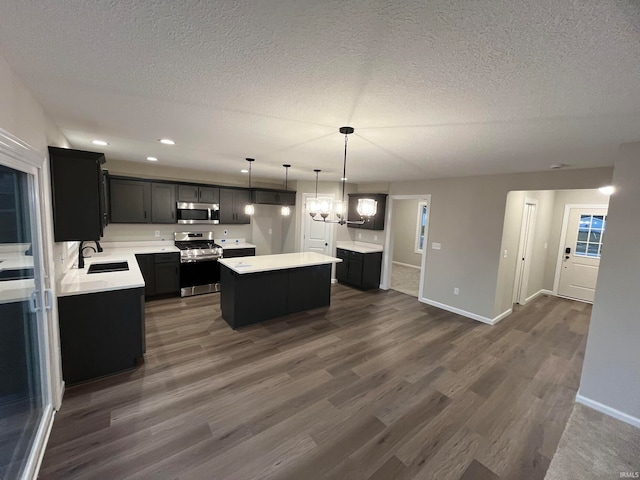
198	194
273	197
77	189
374	223
232	203
163	203
130	201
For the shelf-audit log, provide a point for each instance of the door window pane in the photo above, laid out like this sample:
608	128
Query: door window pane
590	232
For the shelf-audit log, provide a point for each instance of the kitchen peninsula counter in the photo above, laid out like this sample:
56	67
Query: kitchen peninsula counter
258	288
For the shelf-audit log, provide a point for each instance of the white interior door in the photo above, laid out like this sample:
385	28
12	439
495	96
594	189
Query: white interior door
525	251
316	236
581	255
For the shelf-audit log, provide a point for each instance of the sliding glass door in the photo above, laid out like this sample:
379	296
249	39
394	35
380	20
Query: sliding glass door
25	398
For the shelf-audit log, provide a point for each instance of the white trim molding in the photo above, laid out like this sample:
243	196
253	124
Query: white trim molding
612	412
537	294
464	313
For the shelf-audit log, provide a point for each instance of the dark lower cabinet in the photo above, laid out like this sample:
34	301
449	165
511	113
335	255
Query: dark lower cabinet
254	297
161	273
360	270
238	252
101	333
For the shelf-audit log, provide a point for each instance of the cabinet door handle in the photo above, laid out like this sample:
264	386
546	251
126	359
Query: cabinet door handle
171	215
145	214
199	194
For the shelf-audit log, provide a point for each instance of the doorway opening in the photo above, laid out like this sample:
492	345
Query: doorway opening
404	258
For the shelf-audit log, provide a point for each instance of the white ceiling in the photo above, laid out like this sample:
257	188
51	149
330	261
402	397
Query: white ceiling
433	89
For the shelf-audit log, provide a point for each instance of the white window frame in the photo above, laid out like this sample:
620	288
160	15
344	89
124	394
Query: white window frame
422	205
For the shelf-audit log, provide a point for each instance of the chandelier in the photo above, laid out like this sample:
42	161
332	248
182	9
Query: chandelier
323	207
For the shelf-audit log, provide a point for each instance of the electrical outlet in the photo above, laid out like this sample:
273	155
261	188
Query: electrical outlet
61	259
270	231
157	233
505	254
456	291
375	238
359	236
225	232
436	246
545	245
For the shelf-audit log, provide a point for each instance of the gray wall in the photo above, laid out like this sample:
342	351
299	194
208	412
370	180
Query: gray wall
611	371
405	217
467	217
512	227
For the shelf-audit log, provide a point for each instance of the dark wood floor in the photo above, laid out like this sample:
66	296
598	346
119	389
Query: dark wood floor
377	386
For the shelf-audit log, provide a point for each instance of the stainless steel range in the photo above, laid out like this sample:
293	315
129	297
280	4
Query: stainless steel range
199	268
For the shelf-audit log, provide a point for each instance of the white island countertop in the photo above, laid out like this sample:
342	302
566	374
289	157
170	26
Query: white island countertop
78	281
283	261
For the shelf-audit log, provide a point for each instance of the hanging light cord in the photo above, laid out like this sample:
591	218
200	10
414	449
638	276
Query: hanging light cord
286	177
344	165
250	175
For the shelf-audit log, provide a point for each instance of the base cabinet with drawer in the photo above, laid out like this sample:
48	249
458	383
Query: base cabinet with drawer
361	270
161	273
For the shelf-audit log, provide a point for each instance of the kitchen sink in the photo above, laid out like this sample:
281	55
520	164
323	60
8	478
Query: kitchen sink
108	267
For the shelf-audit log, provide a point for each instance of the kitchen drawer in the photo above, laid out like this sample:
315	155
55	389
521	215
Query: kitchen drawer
356	256
341	253
173	257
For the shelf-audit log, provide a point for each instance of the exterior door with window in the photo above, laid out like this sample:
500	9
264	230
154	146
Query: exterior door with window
581	255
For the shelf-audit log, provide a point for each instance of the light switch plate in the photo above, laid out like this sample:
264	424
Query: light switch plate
436	246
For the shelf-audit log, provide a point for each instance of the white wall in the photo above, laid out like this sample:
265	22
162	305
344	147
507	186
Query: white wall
467	217
611	370
405	218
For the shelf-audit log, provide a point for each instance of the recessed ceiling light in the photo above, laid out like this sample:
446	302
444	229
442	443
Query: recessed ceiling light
100	142
152	159
244	170
167	141
608	190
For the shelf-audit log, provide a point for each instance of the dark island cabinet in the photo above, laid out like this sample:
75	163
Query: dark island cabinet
238	252
374	223
78	194
361	270
161	273
198	194
130	201
163	203
232	203
101	333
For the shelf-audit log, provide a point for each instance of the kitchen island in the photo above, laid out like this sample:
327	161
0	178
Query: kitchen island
258	288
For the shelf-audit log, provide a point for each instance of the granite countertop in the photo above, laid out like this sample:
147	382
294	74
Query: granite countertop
360	247
79	282
283	261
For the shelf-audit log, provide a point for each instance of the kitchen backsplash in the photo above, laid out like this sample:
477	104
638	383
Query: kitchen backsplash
122	232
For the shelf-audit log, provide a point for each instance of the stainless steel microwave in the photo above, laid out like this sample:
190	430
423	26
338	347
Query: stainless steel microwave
192	213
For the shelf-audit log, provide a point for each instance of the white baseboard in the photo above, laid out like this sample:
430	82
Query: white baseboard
612	412
334	280
405	265
537	294
464	313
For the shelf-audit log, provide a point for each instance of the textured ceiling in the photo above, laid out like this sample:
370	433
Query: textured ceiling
433	89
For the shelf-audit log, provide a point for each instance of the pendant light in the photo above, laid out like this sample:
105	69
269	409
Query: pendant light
249	209
367	207
285	211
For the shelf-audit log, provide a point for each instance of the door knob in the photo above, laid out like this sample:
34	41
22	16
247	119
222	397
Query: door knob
326	244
